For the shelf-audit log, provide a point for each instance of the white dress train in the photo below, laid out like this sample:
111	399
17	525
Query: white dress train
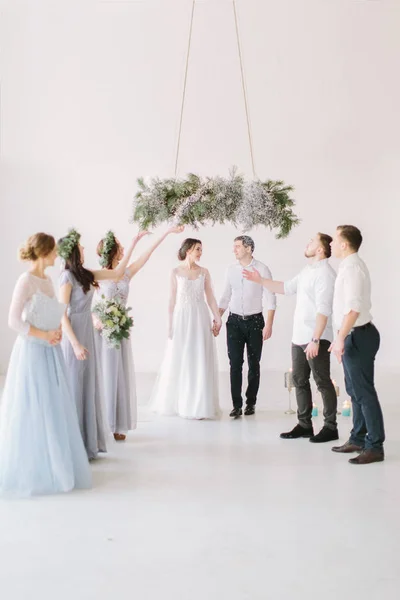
188	381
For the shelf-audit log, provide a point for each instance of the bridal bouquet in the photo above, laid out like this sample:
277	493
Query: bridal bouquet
115	321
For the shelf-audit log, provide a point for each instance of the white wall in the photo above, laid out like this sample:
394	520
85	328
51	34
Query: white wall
90	99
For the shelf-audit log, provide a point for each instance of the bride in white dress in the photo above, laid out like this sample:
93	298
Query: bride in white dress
188	381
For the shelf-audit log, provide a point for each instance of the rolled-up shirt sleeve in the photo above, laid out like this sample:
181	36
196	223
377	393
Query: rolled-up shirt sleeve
290	286
227	293
324	290
353	290
269	299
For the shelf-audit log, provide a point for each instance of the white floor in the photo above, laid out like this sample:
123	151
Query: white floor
214	510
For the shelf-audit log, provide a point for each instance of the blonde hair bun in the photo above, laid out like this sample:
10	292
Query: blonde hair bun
37	246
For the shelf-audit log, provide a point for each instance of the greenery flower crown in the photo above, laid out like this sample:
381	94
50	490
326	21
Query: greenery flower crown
109	242
68	243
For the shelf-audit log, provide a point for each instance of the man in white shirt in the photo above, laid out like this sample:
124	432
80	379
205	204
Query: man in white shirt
246	326
312	337
356	344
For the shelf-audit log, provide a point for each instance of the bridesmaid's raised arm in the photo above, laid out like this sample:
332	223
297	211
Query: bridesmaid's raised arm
119	272
142	260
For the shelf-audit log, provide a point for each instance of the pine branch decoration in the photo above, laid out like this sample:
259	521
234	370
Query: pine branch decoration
197	201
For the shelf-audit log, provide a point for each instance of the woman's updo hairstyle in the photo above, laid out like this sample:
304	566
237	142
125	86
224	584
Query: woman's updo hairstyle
37	246
187	245
107	250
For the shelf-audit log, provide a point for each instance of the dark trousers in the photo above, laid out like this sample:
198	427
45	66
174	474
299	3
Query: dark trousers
243	333
320	366
360	349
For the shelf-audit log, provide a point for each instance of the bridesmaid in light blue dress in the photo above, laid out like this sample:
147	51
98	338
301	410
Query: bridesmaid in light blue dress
77	286
41	448
117	366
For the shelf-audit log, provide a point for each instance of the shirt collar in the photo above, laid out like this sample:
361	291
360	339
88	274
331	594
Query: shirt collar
351	259
253	260
318	264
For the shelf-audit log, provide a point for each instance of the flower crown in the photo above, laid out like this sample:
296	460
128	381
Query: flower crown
109	242
68	243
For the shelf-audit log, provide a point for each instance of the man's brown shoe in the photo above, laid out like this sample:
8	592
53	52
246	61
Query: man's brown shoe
368	456
347	448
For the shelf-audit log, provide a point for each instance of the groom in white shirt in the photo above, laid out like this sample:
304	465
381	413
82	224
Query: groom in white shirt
246	326
312	337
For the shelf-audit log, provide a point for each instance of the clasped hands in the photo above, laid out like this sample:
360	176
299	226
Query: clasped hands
216	328
54	336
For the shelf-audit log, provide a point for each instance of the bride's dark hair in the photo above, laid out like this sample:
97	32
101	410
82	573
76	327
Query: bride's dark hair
74	264
187	245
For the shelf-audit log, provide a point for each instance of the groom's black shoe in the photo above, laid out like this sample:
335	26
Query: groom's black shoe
249	410
236	412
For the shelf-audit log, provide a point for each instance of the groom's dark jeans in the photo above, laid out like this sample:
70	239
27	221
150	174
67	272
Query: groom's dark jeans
245	332
360	349
320	367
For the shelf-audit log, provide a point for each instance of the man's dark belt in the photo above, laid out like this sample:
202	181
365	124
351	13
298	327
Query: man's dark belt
245	317
363	326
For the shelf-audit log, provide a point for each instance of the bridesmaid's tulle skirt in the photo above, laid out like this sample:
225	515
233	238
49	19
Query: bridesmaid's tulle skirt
41	447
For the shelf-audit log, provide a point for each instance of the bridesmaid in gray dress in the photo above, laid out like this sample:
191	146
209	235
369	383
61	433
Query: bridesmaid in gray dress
117	364
77	285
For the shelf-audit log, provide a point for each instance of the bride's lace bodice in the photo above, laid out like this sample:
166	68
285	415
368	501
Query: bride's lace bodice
34	303
114	289
189	291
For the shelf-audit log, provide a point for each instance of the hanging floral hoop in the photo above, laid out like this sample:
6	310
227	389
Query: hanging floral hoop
198	201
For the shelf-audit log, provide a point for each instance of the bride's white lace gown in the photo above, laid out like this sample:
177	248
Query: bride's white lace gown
188	381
